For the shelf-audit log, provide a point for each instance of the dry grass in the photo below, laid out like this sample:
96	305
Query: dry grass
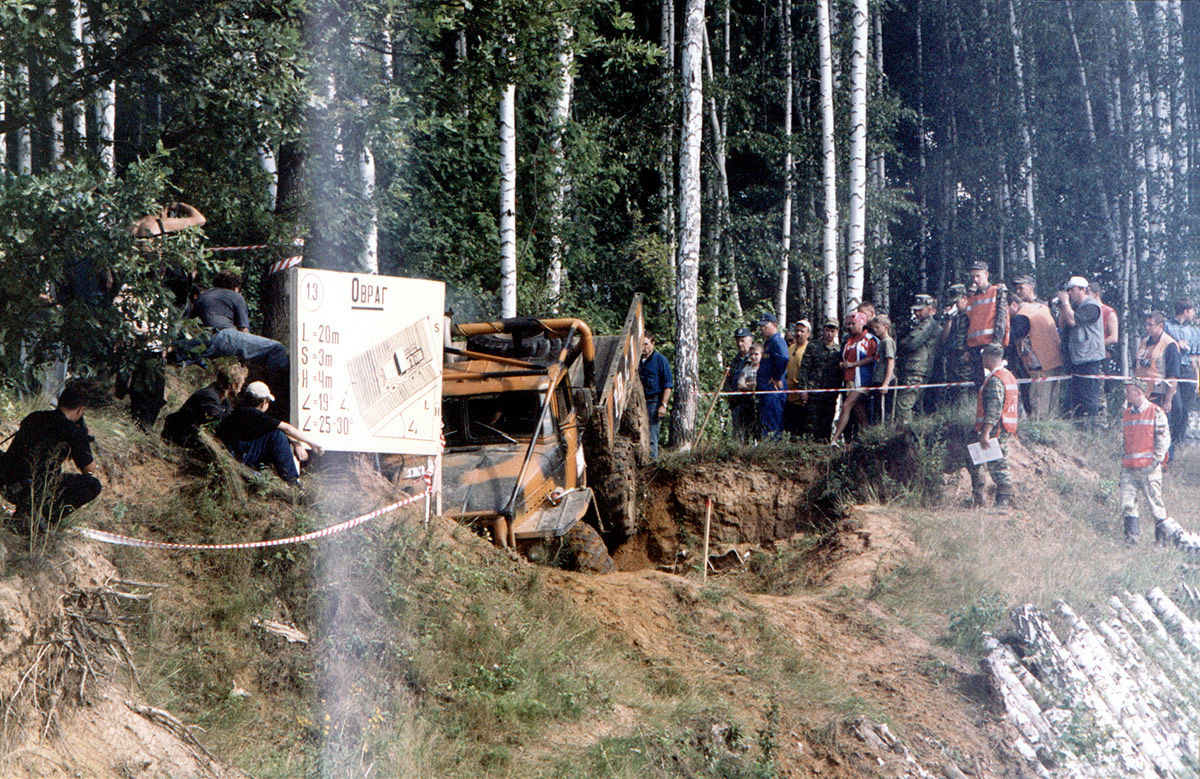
1064	541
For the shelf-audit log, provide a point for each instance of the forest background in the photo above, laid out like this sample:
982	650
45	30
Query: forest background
721	157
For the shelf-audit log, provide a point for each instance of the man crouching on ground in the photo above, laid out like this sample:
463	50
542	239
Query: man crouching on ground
995	420
257	439
31	469
1147	438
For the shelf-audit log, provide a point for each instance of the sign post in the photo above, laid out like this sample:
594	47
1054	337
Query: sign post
367	361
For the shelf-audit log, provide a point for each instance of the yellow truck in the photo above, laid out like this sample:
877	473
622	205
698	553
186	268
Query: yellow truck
546	432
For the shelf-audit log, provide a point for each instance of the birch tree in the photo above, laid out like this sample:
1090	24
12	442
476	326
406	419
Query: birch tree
561	184
687	343
856	267
880	271
785	249
1025	171
78	107
368	255
666	181
508	201
829	241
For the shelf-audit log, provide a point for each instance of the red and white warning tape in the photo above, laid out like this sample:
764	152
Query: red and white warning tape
285	263
935	385
119	540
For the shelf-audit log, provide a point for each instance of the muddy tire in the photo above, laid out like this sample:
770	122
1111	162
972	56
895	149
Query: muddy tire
584	550
617	492
635	424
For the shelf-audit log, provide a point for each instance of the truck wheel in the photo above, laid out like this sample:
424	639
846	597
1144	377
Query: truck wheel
617	495
584	550
635	424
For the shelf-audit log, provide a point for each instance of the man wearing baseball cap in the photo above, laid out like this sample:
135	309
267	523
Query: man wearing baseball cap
256	439
1080	316
741	407
956	363
916	355
771	374
995	420
793	408
987	315
1147	438
820	370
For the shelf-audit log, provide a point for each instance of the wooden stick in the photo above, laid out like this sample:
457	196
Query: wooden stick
711	406
707	527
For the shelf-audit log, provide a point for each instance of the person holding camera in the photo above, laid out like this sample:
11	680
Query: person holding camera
1081	318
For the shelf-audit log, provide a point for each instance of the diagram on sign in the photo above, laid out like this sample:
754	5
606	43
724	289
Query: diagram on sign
390	374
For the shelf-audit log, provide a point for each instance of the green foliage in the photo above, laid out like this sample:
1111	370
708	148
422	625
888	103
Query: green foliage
967	626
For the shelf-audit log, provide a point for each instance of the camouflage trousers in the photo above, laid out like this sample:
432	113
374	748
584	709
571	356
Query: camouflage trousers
997	468
907	399
1148	481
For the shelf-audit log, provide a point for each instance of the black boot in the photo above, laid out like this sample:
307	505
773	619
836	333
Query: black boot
1131	531
1003	497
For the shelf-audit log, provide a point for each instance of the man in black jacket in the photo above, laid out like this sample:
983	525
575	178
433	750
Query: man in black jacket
31	468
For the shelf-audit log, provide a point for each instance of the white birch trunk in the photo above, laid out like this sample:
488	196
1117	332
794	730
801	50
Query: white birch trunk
687	343
266	161
1179	127
829	164
106	126
922	154
880	270
3	116
722	201
1110	225
562	185
24	138
785	253
508	201
368	255
1025	170
55	128
79	107
1145	156
667	173
1162	101
856	257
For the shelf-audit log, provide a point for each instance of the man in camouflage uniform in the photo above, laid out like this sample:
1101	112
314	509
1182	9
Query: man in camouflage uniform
916	355
820	369
1147	437
741	407
995	421
956	363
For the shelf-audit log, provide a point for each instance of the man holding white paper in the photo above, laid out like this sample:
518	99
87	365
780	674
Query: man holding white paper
995	420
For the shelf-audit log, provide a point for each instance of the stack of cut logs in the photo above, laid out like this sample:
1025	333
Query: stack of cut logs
1119	697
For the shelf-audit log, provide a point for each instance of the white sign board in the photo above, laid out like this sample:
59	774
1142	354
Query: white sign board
367	361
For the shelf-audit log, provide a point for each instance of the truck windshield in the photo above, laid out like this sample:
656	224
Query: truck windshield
509	417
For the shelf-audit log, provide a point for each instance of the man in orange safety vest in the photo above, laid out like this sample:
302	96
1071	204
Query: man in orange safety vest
995	420
1147	437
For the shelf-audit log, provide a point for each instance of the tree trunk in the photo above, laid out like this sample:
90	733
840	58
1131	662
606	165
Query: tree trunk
880	270
1148	171
266	161
1110	225
562	185
79	107
829	165
856	257
687	343
785	253
666	168
508	201
368	255
922	157
719	223
24	137
1179	133
1140	153
1025	169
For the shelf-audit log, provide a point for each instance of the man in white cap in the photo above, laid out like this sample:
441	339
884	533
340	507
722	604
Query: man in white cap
793	409
1080	316
257	439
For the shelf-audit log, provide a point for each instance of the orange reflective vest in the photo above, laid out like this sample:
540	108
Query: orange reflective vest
1152	363
1008	412
982	312
1138	427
